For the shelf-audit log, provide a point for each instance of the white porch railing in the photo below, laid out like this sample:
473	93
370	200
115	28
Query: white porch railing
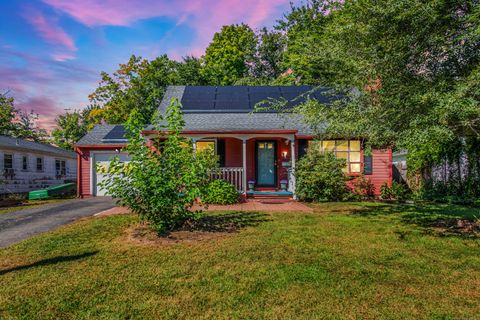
234	175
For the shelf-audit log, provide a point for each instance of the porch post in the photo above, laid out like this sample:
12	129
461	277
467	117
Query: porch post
292	143
194	145
244	156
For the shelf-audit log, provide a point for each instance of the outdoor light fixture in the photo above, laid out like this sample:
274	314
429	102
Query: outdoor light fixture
284	154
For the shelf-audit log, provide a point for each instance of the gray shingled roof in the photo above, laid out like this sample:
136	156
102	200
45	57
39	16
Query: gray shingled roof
17	144
226	122
96	135
206	120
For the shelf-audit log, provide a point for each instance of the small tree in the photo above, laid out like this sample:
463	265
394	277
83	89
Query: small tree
163	179
319	177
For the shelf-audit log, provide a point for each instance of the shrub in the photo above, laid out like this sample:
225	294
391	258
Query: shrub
319	177
397	191
220	192
162	181
363	187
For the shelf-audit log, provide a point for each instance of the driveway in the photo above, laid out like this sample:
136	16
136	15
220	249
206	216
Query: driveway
20	225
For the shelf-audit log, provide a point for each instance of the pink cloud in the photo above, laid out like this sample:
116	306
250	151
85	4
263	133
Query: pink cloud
49	30
205	17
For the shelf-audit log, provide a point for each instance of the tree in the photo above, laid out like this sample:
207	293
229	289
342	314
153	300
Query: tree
7	114
228	56
137	85
268	63
70	128
17	123
162	181
413	66
189	72
26	127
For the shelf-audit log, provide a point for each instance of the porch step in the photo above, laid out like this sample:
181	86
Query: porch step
270	195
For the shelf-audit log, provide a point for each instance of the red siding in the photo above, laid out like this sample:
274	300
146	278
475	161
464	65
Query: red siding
382	168
84	173
233	152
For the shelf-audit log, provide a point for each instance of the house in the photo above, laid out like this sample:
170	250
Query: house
27	165
259	147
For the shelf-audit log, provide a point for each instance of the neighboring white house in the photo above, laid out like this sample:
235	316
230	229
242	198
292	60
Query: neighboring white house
27	165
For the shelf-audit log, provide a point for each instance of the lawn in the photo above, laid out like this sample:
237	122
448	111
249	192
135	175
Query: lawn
365	261
27	204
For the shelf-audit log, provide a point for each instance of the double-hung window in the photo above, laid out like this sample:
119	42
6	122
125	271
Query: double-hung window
39	164
8	162
24	163
60	167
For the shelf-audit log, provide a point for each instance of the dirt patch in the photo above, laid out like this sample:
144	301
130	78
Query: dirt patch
458	226
143	234
206	228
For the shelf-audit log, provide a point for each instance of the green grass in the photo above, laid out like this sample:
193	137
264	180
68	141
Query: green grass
27	204
364	261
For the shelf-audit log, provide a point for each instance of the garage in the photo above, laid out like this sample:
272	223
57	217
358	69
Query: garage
103	160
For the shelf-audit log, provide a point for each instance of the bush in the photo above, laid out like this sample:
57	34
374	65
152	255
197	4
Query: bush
319	177
220	192
161	186
363	187
397	191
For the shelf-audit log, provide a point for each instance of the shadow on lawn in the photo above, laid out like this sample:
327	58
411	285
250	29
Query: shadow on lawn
448	219
50	261
229	222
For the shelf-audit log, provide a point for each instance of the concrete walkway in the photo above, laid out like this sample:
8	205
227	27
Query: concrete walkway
20	225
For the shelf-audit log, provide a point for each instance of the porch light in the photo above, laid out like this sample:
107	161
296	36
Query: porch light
284	154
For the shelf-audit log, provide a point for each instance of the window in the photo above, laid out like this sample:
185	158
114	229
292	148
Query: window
24	163
204	145
39	164
8	161
60	167
350	150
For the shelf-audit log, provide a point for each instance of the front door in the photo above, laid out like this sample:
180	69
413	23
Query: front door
266	158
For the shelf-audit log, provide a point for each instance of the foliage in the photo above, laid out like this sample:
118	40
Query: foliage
70	128
162	181
319	177
396	191
18	123
220	192
137	85
363	187
7	114
228	55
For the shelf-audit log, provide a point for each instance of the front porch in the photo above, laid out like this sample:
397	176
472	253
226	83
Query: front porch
258	165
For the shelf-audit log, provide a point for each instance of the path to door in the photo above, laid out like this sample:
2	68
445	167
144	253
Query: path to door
20	225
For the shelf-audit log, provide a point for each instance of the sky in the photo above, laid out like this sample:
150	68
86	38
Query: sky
52	51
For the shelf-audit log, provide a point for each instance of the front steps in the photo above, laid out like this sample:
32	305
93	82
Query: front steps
270	195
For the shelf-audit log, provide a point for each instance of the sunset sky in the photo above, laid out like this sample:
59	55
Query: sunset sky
52	51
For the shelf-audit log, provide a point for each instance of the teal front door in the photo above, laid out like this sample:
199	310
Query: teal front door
265	160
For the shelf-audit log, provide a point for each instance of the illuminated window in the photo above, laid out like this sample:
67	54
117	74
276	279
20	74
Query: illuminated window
204	145
349	150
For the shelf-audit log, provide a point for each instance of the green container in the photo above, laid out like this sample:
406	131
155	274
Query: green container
53	191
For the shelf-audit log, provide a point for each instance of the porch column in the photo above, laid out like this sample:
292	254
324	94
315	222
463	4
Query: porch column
292	143
194	145
244	156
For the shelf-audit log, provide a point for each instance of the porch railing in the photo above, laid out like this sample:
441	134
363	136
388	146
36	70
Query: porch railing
234	175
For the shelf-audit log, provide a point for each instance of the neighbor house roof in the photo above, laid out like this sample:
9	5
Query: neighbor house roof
30	146
225	109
